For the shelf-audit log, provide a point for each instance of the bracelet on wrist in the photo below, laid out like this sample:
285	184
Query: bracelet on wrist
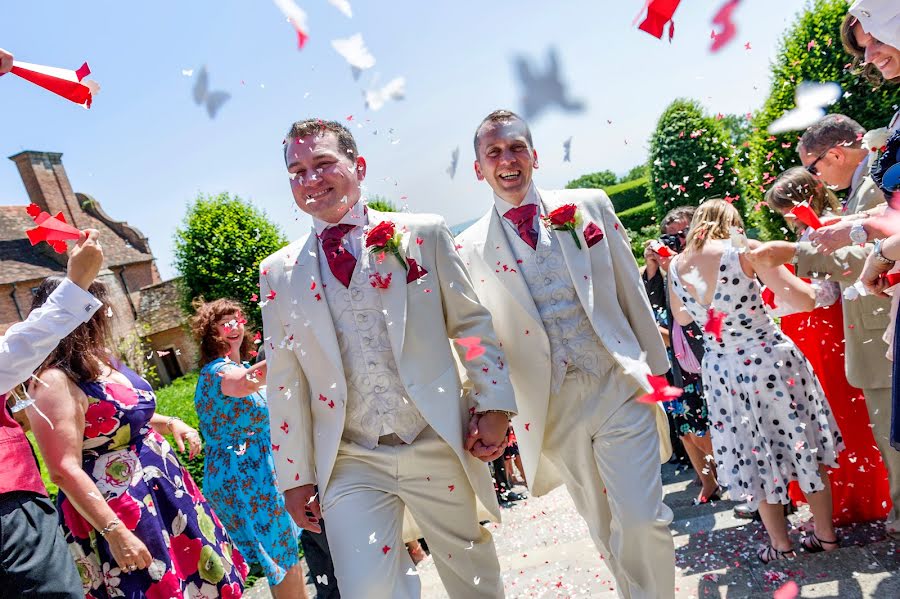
113	524
170	421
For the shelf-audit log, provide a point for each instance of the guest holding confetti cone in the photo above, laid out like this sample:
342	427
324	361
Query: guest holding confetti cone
365	399
770	421
36	562
859	487
574	320
135	521
6	61
239	472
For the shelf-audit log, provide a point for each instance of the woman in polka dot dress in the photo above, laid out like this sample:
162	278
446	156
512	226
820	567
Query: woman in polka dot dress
770	421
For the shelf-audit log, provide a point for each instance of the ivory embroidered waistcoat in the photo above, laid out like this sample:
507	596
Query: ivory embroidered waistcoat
377	401
573	342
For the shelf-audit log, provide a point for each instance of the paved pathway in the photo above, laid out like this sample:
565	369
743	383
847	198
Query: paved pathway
545	552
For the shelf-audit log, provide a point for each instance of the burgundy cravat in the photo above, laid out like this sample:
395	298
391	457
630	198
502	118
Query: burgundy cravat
523	218
340	261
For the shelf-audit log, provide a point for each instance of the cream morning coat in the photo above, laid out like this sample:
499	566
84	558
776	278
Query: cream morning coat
609	287
306	387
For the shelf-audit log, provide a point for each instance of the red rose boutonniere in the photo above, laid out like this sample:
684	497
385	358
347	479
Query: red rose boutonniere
383	237
565	218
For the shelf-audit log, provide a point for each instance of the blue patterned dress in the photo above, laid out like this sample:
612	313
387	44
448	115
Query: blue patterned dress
141	479
239	473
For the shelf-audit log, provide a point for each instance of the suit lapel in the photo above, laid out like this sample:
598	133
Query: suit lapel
578	261
394	297
498	253
305	272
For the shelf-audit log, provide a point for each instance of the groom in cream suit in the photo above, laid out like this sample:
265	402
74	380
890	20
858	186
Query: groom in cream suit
364	395
577	329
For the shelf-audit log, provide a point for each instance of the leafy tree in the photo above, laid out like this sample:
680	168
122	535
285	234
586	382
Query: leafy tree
382	204
637	172
596	180
810	51
218	249
691	159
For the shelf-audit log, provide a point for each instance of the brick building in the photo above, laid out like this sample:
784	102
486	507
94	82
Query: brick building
143	304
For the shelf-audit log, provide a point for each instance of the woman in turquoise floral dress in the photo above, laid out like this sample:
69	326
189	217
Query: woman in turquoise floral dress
135	522
239	472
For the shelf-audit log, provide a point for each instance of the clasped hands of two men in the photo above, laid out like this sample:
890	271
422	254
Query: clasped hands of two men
485	439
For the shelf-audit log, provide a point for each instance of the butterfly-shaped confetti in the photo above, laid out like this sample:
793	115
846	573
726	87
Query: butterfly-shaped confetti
473	347
212	100
354	51
343	6
296	16
713	324
662	390
543	90
723	19
52	229
810	99
454	161
67	83
395	89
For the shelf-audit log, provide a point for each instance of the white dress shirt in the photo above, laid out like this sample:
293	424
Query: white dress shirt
531	197
27	344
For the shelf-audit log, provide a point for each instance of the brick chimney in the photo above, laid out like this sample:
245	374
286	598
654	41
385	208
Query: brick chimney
47	184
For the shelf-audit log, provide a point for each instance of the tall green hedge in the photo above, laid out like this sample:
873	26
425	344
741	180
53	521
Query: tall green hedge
691	159
598	180
629	194
809	51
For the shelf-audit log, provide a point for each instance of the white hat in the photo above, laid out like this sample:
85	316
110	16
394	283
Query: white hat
880	19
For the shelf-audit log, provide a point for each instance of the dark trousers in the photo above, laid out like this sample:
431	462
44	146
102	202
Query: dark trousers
318	559
501	479
34	558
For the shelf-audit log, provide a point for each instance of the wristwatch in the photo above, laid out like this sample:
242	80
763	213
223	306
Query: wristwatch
858	233
879	256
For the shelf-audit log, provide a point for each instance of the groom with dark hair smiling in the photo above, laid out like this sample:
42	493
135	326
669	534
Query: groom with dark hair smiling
573	318
364	395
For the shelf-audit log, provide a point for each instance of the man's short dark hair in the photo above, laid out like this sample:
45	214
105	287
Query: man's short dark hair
831	131
501	116
307	127
676	214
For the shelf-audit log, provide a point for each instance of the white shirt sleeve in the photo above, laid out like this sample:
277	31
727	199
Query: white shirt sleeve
26	344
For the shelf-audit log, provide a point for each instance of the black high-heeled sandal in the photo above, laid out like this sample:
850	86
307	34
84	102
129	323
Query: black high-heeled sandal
716	495
813	544
770	554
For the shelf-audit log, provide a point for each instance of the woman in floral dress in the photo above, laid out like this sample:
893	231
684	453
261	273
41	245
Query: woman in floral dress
135	522
239	472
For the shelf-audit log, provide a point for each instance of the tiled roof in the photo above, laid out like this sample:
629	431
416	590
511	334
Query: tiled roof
160	307
19	261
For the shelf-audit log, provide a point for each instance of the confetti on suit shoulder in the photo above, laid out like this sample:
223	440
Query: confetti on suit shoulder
662	390
296	16
211	100
473	347
355	52
385	549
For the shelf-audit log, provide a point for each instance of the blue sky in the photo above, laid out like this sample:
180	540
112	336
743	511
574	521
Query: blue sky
145	149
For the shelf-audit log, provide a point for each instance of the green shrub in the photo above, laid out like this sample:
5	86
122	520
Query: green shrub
598	180
809	51
629	194
639	239
691	159
177	399
638	217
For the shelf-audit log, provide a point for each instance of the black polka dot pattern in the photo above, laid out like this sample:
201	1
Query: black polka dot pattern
769	419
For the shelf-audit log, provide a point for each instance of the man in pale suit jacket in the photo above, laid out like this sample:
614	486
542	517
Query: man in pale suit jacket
364	395
575	323
832	150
